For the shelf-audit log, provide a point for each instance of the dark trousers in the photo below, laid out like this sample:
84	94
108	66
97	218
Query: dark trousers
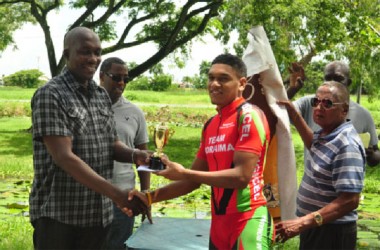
52	234
330	236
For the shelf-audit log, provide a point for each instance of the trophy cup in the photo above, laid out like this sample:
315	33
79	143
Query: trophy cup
161	134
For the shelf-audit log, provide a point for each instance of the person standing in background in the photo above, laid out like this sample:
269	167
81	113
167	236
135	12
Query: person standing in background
360	117
329	192
131	129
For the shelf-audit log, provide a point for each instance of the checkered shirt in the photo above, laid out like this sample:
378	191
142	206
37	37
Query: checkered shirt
61	108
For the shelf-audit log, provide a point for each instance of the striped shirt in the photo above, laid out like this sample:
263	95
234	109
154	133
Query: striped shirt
62	108
336	163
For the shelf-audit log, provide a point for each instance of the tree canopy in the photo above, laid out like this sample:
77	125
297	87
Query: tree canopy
170	25
12	17
302	30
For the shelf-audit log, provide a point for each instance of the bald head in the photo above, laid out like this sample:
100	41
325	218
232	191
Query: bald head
339	91
338	71
82	51
76	34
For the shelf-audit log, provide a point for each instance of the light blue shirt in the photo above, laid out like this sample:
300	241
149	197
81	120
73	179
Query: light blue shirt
336	163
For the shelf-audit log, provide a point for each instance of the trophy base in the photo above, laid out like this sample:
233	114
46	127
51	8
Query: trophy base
156	163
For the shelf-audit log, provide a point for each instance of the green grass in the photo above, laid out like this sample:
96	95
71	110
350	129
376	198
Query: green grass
16	233
16	93
194	97
16	147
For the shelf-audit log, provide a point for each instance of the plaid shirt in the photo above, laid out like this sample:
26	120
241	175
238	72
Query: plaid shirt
61	108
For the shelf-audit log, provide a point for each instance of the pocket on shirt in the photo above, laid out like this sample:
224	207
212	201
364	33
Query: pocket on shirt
106	118
77	120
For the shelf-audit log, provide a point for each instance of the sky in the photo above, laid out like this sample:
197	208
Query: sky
31	51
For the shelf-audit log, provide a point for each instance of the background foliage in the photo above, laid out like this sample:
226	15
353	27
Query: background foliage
298	30
25	78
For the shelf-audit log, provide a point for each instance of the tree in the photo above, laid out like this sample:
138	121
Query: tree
30	78
157	69
168	24
300	30
12	17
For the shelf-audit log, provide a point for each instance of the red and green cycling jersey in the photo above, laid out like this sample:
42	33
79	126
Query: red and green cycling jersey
240	126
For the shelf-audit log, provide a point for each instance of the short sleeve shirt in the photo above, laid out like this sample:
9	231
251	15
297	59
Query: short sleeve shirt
336	164
63	108
131	129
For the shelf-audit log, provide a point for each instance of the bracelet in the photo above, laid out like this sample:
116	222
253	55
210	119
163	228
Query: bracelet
149	197
133	152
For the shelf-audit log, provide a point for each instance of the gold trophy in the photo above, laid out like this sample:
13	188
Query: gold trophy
161	135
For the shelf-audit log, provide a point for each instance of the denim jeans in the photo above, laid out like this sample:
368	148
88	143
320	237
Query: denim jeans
121	229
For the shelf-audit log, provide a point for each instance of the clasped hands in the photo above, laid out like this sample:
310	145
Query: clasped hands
140	202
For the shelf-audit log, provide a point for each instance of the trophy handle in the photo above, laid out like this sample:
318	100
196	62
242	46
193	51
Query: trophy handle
170	132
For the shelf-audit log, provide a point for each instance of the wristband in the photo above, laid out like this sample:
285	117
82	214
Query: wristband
133	152
149	197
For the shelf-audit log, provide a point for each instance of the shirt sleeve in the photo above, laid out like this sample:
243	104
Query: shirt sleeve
142	131
48	117
253	132
348	169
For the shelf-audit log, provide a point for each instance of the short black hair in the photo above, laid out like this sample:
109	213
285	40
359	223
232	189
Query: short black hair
107	64
234	61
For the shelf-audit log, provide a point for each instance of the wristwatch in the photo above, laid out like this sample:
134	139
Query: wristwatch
318	218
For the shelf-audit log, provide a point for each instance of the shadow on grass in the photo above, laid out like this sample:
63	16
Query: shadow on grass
18	143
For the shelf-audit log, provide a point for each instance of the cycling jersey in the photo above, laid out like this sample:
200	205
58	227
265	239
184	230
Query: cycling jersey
240	126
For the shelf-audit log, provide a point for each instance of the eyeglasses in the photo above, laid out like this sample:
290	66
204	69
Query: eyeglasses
326	103
117	78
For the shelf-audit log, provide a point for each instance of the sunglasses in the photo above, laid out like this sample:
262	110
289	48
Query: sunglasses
117	78
326	103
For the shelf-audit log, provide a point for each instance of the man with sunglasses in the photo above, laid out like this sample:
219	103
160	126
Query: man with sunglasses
333	179
360	116
131	129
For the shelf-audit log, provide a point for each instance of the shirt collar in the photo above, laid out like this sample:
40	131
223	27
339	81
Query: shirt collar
231	107
75	85
122	100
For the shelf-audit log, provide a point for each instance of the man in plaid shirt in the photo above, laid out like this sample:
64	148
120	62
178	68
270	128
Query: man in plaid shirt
75	143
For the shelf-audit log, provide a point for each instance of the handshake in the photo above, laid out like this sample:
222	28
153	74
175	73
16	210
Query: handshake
134	202
138	203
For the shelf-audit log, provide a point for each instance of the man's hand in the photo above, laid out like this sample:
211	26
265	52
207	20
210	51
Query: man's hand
132	205
135	195
297	75
173	171
372	156
292	112
147	214
141	157
287	229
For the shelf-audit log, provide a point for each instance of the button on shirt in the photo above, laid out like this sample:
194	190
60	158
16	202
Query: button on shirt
63	107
